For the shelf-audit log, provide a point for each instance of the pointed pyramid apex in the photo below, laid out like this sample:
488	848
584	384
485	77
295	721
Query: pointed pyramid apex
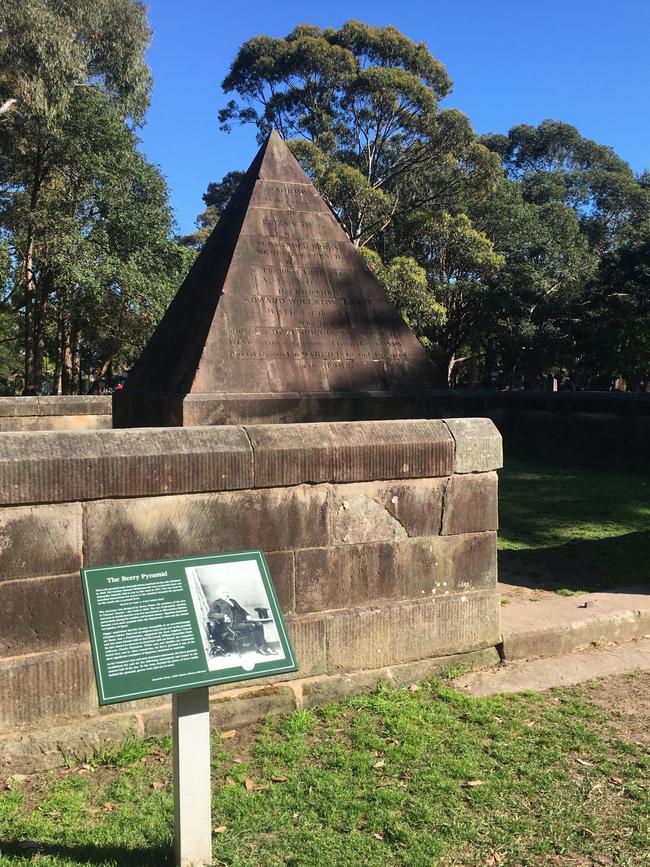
277	163
278	306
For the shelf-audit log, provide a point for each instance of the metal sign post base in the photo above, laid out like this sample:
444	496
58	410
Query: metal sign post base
192	808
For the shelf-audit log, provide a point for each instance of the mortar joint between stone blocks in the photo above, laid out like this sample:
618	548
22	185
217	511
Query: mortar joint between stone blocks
250	443
296	686
443	505
453	439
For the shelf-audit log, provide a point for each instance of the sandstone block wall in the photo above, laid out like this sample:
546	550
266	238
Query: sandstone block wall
380	536
592	428
73	412
595	428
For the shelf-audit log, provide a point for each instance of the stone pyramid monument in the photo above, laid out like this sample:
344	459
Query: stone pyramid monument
279	319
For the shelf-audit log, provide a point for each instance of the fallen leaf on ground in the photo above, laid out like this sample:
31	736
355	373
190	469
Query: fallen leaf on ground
230	781
585	763
108	807
249	784
379	764
472	784
378	836
237	761
229	734
279	779
616	780
157	785
221	829
414	688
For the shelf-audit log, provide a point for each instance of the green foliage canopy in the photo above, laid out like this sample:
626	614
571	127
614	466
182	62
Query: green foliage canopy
361	106
84	216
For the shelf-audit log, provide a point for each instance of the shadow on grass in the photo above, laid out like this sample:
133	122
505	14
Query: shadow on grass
542	503
100	855
609	564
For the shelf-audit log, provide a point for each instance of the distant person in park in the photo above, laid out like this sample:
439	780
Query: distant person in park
231	625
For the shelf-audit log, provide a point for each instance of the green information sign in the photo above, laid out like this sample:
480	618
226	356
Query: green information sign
170	625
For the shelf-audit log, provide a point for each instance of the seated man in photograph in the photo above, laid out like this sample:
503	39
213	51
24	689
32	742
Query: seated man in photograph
232	626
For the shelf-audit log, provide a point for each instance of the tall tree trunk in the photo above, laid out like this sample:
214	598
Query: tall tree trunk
76	360
58	361
99	384
32	313
67	356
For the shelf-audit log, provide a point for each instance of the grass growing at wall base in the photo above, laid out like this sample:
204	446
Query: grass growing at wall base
571	528
404	777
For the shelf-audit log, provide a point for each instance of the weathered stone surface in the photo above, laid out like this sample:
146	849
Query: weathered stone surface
282	569
40	614
471	504
118	531
307	634
308	637
55	422
45	685
403	632
60	405
39	540
322	690
337	687
292	408
44	749
478	445
71	465
350	451
231	710
278	301
17	406
343	576
234	711
74	404
423	669
407	508
355	516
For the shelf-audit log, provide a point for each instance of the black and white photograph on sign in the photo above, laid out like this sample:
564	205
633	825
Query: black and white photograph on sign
233	609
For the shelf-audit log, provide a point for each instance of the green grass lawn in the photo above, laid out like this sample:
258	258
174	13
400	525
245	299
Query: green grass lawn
568	528
412	777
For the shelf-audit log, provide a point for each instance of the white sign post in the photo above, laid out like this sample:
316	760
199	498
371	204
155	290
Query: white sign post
192	808
201	637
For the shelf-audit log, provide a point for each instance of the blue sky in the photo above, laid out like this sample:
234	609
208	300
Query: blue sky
585	62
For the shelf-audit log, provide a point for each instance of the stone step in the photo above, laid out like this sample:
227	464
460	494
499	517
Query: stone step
565	624
565	670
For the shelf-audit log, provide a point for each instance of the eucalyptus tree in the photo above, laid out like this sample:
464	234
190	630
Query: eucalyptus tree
50	52
361	108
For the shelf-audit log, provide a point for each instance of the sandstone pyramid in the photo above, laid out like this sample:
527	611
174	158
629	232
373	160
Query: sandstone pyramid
279	319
